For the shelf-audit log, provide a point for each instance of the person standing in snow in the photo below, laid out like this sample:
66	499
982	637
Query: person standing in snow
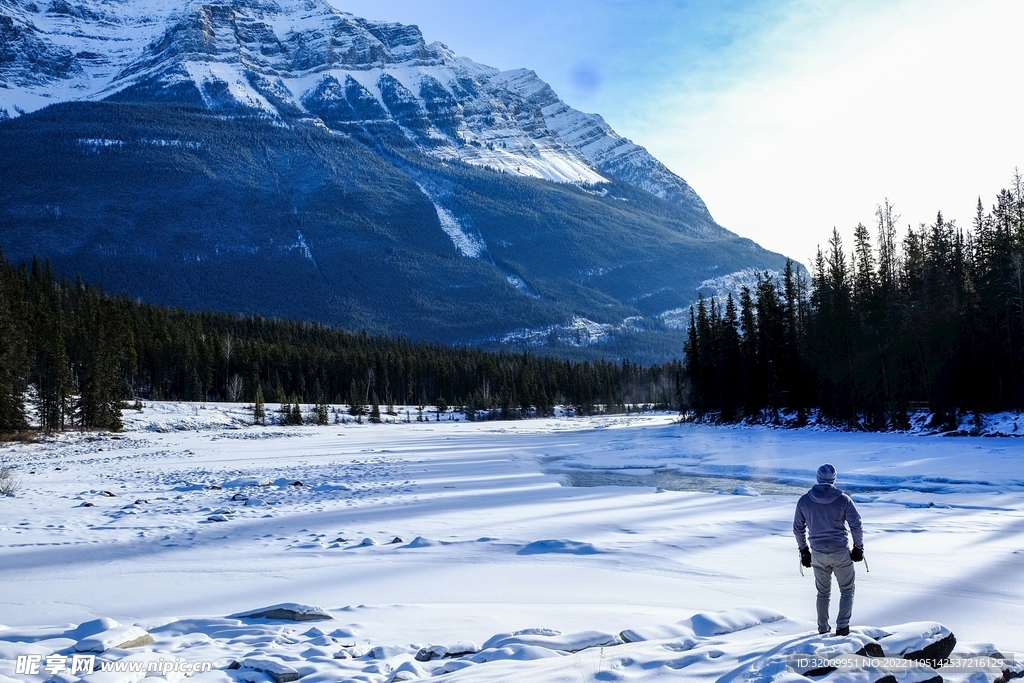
823	513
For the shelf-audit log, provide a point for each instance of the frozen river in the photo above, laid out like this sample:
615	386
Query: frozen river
444	532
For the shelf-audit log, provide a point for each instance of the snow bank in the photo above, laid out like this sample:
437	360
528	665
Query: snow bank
475	496
559	546
553	640
705	624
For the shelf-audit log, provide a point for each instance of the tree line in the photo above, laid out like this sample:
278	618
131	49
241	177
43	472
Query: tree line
70	355
933	321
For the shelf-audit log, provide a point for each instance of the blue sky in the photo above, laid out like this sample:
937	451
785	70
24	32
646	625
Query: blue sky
789	117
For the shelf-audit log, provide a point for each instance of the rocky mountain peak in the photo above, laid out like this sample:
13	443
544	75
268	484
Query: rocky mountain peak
295	60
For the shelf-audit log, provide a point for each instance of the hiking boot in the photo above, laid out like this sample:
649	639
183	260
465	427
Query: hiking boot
843	631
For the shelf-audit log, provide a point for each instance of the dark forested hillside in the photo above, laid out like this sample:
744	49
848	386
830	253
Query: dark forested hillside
933	320
242	215
73	355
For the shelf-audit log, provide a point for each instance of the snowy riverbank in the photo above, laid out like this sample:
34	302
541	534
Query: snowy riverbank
492	542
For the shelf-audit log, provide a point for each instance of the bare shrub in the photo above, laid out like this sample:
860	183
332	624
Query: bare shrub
22	437
235	388
9	483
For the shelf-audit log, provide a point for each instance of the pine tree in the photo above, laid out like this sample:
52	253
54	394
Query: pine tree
375	410
356	407
259	414
14	364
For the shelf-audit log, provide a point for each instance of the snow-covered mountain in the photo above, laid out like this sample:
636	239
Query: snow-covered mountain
288	159
294	59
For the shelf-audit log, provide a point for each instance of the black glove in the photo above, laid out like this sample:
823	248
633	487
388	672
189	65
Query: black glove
857	554
805	557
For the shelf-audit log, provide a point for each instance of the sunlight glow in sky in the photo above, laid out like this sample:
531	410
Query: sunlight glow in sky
788	117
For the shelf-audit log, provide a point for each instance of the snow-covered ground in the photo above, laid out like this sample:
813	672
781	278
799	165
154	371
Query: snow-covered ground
466	538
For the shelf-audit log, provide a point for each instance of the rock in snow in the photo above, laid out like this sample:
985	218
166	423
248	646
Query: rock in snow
921	641
408	671
432	652
286	611
121	637
281	673
426	654
783	653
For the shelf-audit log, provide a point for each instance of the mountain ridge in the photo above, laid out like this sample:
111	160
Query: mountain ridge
292	160
281	59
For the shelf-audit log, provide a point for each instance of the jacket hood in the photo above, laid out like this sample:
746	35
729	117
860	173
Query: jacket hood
824	493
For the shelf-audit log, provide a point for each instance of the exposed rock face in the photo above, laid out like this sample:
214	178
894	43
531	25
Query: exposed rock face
288	611
934	653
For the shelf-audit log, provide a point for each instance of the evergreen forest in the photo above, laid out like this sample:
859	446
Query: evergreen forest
70	356
932	319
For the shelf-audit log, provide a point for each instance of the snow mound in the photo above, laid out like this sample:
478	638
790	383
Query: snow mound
921	641
331	486
666	632
121	637
704	624
571	642
805	656
744	490
730	621
91	628
181	627
911	637
408	671
421	542
559	546
242	483
519	653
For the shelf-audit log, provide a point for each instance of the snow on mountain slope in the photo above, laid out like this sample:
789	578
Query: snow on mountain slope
302	59
57	51
466	242
717	290
607	150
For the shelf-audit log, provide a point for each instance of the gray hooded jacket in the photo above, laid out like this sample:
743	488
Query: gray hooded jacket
825	511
